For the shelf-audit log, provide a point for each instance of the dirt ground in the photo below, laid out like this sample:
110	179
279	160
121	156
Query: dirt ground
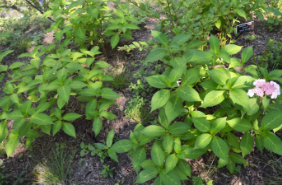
86	170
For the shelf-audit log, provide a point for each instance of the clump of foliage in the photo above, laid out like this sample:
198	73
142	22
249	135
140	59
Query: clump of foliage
271	58
4	176
136	109
107	171
56	168
121	78
102	150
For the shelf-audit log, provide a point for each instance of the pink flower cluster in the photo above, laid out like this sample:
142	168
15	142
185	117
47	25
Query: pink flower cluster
265	88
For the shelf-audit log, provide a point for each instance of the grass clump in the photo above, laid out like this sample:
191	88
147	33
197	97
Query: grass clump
57	168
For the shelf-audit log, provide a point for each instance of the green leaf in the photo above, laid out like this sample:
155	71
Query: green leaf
15	115
240	97
170	178
173	107
265	102
138	157
153	131
108	115
71	116
113	27
241	13
147	164
41	119
91	106
69	129
146	175
110	138
93	11
168	143
230	166
246	54
231	49
160	37
190	77
26	107
157	81
163	118
243	81
171	162
260	15
42	106
131	26
222	163
157	155
201	124
233	140
158	181
64	92
14	98
177	145
192	153
188	94
178	128
122	146
97	125
113	155
218	125
273	143
114	40
156	55
218	77
13	140
246	144
213	98
202	141
194	56
220	148
57	127
5	53
18	123
241	125
214	43
181	39
259	142
80	33
3	130
177	62
197	180
176	74
184	167
16	65
237	158
271	120
159	99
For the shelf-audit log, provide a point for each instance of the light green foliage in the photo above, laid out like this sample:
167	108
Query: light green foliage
136	110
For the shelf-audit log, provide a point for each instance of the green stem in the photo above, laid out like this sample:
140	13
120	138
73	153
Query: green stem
171	20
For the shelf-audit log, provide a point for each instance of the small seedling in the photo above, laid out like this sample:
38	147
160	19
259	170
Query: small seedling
19	178
107	171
